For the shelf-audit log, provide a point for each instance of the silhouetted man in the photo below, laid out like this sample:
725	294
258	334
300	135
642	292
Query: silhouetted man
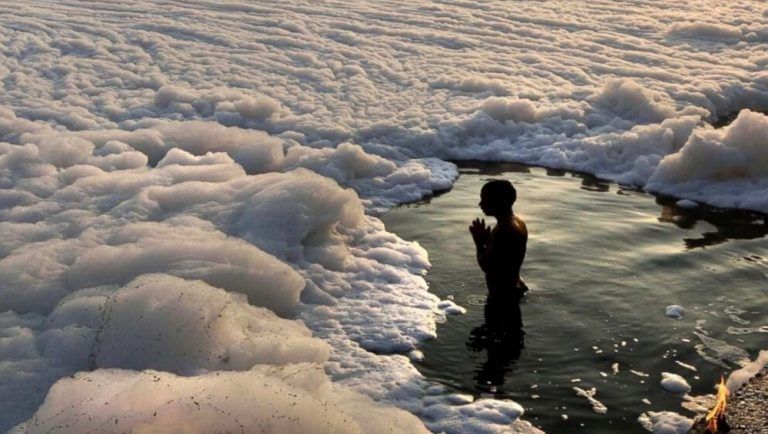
500	253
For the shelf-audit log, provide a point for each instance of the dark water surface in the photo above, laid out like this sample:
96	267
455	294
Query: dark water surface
603	263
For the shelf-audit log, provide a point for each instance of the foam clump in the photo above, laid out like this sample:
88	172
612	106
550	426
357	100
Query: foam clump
344	162
724	167
192	253
674	383
198	142
479	416
451	308
297	398
163	247
741	376
156	321
707	31
620	130
734	151
675	311
665	422
629	100
507	109
221	102
176	325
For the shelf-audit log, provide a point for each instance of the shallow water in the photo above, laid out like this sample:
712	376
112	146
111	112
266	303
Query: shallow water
603	263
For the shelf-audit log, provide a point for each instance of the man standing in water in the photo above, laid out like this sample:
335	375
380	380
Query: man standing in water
500	254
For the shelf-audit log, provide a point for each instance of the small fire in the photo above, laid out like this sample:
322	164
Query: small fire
717	414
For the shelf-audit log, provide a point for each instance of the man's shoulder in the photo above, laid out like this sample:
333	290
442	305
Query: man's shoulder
519	226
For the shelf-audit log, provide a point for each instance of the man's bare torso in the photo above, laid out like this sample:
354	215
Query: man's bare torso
504	255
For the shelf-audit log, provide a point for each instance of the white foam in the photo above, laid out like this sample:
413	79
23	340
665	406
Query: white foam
665	422
723	167
597	406
686	366
297	398
249	158
741	376
674	383
451	308
675	311
176	325
199	217
707	31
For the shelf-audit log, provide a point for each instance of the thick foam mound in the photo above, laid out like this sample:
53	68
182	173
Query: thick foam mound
167	323
382	182
297	398
89	221
629	100
725	167
156	321
190	252
197	211
620	131
245	151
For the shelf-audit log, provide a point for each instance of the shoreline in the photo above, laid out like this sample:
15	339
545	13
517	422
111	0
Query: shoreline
747	411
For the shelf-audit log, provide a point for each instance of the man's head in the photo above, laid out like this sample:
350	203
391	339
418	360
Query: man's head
497	197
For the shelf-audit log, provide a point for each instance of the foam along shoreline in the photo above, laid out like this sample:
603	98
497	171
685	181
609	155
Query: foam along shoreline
275	132
264	200
722	167
196	266
746	409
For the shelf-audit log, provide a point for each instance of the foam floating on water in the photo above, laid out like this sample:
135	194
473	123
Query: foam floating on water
686	203
665	422
450	308
597	406
674	383
675	311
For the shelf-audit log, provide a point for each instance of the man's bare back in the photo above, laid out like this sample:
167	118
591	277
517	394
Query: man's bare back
501	249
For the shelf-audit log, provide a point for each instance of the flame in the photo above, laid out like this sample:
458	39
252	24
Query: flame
718	411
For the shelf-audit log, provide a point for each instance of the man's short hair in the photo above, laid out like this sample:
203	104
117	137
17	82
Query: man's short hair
502	191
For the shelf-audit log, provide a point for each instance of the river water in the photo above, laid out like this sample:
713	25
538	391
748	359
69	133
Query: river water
603	262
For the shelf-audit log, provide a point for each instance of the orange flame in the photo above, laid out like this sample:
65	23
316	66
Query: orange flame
718	411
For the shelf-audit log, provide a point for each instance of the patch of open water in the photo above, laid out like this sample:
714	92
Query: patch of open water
603	263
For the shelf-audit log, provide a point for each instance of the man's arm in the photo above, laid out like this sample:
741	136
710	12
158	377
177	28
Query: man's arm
504	254
481	235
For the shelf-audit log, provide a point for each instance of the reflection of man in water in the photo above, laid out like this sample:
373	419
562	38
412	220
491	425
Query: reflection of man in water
500	254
